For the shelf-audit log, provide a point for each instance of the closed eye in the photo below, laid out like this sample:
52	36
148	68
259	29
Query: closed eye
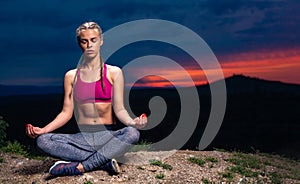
94	40
83	41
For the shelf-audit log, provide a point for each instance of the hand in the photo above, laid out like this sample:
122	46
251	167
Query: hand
140	122
33	132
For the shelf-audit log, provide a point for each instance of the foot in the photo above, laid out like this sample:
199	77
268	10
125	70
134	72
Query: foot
112	167
63	168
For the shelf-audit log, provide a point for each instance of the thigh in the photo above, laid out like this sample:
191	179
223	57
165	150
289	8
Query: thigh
67	146
77	139
101	138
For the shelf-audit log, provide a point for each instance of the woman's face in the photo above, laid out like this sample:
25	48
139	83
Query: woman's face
90	42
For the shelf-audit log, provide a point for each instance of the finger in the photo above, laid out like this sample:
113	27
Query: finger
31	131
140	123
34	132
143	119
29	134
28	129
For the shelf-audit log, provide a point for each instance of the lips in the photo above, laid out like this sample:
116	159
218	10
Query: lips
89	51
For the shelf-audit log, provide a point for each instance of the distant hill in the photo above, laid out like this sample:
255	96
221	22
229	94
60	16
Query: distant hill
245	84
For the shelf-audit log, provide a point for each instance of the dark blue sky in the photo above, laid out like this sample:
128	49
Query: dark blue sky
38	42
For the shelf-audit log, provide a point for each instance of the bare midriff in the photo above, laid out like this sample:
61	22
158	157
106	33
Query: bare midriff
94	114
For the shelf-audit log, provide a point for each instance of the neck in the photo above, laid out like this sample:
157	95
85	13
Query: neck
92	63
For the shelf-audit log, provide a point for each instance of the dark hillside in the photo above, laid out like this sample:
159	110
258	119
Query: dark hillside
261	114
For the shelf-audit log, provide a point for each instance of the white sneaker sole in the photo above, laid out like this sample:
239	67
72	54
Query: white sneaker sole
116	166
56	163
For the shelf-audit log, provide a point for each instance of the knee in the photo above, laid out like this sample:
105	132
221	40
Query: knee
42	140
133	135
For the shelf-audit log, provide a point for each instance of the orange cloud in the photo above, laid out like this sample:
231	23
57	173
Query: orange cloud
172	77
278	65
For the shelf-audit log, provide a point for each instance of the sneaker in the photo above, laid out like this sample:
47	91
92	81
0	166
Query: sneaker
63	168
112	167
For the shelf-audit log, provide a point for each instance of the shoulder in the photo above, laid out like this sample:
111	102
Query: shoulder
69	75
113	70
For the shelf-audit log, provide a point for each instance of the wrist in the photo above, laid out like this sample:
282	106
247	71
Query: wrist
44	130
130	122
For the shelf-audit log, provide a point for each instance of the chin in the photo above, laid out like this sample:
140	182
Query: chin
90	56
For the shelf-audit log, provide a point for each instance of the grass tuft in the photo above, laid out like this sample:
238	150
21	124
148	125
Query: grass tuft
228	175
243	171
197	161
15	148
211	159
160	176
141	146
160	164
245	160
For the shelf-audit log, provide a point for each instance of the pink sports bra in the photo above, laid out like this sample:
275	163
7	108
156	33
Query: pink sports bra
89	92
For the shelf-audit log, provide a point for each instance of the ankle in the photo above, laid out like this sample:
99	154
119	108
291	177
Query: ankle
80	168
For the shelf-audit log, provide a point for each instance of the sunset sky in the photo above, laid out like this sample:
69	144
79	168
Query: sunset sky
254	38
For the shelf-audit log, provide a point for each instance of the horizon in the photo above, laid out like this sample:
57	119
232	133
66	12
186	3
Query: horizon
136	86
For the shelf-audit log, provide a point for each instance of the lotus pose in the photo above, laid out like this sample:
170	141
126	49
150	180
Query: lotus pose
94	93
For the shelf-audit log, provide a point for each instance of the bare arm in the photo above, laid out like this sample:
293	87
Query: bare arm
64	116
118	101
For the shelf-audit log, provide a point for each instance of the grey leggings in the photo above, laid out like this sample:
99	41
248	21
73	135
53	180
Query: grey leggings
92	149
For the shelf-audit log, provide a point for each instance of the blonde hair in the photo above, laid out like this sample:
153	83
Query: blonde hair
89	25
93	26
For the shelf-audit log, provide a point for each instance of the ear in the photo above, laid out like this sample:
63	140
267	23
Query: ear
101	41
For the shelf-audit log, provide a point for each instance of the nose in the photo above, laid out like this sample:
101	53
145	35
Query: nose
89	44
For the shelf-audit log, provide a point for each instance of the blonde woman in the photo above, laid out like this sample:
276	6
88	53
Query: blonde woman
94	92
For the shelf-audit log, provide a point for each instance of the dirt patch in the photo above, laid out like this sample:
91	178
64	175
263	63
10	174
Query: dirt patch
137	169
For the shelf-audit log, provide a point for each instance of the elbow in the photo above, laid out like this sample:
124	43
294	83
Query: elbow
67	115
118	111
116	108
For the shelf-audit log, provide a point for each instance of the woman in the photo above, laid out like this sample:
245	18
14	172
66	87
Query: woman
94	92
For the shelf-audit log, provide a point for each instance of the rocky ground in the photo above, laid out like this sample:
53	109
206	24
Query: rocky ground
182	166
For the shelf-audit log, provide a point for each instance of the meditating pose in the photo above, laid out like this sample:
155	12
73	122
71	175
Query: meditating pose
93	93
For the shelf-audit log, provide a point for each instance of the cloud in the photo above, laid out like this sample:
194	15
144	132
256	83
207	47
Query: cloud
225	25
41	33
280	65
